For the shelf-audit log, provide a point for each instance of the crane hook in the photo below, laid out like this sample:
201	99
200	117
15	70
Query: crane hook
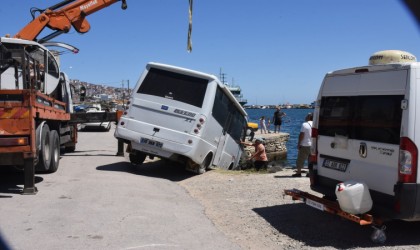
123	4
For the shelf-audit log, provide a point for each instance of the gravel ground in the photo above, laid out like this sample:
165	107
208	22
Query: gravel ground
249	207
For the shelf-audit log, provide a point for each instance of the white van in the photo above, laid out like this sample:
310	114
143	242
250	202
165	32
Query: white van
365	129
185	116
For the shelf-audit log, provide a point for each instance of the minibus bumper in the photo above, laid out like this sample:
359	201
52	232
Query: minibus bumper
167	148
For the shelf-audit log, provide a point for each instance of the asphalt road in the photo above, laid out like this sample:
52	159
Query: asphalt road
96	200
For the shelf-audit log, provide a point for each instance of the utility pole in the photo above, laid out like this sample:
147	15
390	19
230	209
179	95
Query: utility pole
128	88
222	76
122	94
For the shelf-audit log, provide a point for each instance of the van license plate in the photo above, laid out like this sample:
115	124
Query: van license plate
151	142
340	166
315	204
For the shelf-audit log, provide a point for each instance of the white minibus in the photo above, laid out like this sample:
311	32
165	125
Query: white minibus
184	116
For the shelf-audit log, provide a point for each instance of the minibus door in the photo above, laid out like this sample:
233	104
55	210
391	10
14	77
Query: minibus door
221	144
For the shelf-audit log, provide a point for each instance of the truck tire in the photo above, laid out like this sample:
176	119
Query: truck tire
44	154
70	149
55	151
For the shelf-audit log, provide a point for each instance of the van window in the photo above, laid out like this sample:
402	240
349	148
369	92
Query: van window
174	86
369	118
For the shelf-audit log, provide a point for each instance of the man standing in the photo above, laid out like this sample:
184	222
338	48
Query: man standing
304	144
277	119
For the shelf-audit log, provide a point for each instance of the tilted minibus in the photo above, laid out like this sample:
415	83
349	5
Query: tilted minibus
185	116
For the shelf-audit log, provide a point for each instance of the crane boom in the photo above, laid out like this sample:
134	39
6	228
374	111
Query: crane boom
62	16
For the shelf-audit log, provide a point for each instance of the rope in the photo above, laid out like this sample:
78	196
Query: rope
189	43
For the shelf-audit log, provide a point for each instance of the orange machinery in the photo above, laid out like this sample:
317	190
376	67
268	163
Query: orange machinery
36	117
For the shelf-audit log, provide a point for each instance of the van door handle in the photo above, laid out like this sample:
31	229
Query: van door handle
363	150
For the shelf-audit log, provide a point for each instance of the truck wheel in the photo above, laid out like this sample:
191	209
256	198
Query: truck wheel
70	149
55	151
44	153
137	158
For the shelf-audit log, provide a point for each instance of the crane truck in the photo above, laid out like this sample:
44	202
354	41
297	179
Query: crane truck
36	111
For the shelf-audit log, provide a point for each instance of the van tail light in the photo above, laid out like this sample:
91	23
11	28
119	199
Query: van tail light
314	148
407	162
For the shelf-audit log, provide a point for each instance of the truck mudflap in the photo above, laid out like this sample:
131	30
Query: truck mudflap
331	207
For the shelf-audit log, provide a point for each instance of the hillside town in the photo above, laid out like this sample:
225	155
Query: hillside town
116	97
111	97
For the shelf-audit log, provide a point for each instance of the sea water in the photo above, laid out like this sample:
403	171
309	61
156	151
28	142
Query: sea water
291	124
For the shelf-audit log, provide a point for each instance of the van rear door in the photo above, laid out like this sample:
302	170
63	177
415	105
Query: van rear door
359	127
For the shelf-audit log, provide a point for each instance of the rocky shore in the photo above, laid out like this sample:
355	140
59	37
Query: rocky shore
275	147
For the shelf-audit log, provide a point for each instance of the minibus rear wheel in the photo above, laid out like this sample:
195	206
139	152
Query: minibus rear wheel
205	164
137	158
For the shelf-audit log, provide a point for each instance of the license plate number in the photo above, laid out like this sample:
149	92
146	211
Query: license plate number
315	204
340	166
149	142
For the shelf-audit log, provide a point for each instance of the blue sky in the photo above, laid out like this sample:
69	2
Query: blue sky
277	51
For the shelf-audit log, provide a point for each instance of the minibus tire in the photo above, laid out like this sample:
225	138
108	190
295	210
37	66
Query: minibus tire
204	165
137	158
230	166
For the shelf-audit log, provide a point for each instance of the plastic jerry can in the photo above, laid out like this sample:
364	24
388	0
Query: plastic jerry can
353	197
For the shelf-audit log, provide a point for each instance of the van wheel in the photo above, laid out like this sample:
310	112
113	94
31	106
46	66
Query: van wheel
137	158
55	151
44	153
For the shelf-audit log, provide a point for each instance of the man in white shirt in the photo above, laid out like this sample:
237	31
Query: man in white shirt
304	144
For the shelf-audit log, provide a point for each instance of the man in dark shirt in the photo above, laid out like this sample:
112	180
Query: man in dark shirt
277	119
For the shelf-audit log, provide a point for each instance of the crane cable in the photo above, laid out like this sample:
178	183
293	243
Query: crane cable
189	43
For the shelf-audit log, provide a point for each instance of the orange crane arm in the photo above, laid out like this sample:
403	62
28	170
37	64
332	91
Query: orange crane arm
63	15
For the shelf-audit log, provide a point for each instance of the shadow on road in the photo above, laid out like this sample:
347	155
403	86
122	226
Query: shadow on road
319	229
12	180
90	153
156	169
